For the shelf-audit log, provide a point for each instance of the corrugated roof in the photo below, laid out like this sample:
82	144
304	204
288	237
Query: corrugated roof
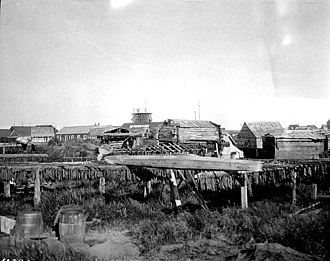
4	132
193	123
260	128
42	132
76	129
20	131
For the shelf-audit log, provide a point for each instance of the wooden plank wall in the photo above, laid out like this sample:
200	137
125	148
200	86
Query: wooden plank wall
246	139
186	134
298	149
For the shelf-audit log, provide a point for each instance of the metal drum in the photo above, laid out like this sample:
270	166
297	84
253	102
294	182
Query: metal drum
72	226
31	223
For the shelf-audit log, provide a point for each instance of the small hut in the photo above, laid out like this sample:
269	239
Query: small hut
250	136
182	131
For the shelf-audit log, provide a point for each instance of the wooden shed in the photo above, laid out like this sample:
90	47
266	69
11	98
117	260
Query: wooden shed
294	145
182	131
250	136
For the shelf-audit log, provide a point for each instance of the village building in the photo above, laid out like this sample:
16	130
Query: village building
74	132
42	133
249	139
201	136
293	145
97	131
5	136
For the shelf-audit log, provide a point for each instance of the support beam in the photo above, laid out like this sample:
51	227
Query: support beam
37	192
175	197
7	189
314	191
294	186
244	190
147	189
102	185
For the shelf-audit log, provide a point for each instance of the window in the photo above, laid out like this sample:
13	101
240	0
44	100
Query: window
72	137
78	136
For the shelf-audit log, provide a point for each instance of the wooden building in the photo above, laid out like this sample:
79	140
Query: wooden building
74	132
293	145
182	131
249	139
147	129
5	136
41	134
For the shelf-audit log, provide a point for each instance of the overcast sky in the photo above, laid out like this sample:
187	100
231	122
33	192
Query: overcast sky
80	62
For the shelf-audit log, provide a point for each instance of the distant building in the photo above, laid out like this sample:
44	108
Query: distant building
74	132
5	136
180	131
301	144
96	132
249	139
41	134
293	126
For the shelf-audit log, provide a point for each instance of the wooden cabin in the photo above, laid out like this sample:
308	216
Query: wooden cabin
249	139
74	132
5	136
41	134
293	145
183	131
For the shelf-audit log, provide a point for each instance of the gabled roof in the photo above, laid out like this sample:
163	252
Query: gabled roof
75	130
4	133
42	132
260	128
20	131
301	134
192	123
100	129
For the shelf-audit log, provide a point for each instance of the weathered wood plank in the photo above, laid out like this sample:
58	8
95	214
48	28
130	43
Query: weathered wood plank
192	162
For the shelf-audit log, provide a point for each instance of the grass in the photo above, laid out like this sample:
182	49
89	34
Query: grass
152	225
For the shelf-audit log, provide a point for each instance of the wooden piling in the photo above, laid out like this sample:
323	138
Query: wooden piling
314	191
37	192
102	185
294	186
175	197
244	190
7	189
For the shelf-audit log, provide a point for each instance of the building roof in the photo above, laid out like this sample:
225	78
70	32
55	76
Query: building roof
99	130
260	128
42	131
75	130
4	133
301	134
192	123
20	131
152	125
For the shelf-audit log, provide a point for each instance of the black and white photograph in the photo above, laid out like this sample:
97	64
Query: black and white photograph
165	130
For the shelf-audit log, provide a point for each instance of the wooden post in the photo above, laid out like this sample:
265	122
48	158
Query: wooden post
244	190
3	150
175	197
37	193
294	186
314	191
147	188
102	185
7	189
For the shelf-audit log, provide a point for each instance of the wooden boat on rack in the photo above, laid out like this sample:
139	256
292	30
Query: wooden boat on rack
186	161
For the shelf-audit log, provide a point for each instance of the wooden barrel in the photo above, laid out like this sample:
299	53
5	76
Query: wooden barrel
72	226
31	223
